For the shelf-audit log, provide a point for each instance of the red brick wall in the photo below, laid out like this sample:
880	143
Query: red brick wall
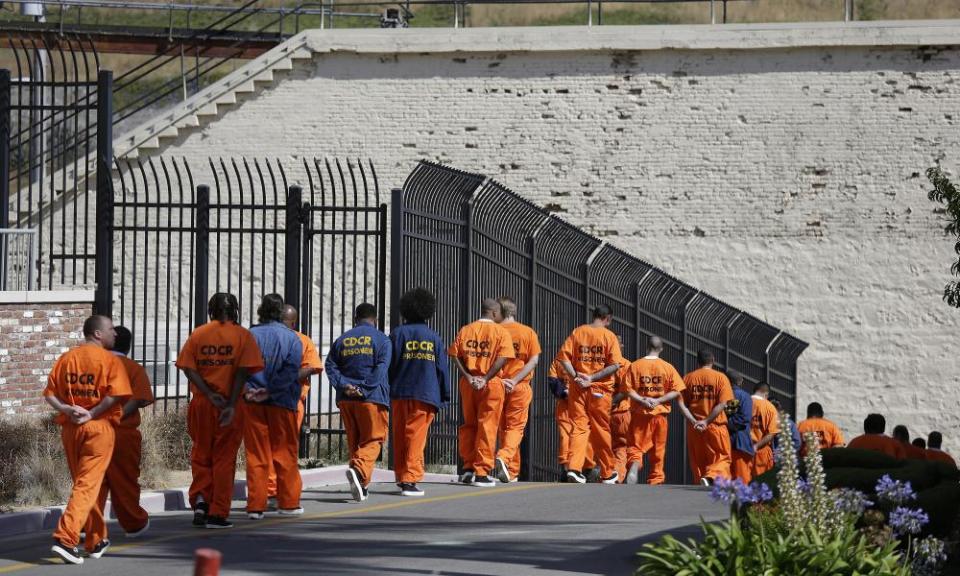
32	336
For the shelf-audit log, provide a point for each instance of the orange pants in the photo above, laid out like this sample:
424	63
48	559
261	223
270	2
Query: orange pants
741	466
591	425
648	435
709	452
122	481
213	458
366	424
565	429
411	421
270	438
762	461
513	421
301	412
481	418
89	449
620	433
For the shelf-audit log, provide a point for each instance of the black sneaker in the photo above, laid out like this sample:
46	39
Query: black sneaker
100	549
467	477
611	479
502	473
200	514
593	475
217	523
356	486
563	475
576	477
484	482
706	481
410	489
71	555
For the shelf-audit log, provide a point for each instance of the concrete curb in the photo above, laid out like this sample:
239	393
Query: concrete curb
177	499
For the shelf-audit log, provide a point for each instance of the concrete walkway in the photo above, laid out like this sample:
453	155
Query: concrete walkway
523	529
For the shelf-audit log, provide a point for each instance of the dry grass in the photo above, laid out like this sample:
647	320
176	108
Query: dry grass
166	446
34	470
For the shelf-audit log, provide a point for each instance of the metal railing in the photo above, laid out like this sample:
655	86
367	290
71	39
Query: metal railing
18	257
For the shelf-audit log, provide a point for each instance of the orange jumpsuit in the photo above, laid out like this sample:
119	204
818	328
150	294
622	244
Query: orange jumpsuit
708	451
311	359
940	455
879	443
216	351
620	427
650	377
123	475
827	432
765	421
85	376
516	404
478	345
590	349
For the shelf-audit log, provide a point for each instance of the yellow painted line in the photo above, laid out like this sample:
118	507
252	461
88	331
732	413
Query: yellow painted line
199	533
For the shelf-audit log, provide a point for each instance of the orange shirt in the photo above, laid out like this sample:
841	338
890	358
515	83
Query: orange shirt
479	344
914	452
941	456
705	388
525	346
591	349
879	443
765	419
652	378
216	350
84	376
827	432
623	406
311	358
139	385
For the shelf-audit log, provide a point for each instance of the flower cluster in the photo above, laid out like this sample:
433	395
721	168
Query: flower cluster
908	521
792	499
928	555
850	502
735	492
894	491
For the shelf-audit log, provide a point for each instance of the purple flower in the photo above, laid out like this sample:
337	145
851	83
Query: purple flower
734	491
907	520
724	490
894	491
850	501
930	552
762	492
804	487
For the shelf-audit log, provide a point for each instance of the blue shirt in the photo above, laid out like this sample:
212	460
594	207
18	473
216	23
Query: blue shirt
794	432
419	367
738	424
360	358
282	354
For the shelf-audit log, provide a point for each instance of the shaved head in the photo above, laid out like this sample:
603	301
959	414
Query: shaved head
655	344
489	307
290	316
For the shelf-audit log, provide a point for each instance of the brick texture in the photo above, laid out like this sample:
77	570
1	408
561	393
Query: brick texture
32	337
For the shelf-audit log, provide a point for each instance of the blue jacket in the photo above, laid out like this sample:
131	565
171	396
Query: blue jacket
419	367
282	354
739	423
360	358
794	432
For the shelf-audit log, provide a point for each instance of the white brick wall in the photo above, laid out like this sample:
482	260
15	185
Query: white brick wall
787	181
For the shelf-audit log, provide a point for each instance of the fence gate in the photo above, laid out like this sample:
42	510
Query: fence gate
466	237
314	232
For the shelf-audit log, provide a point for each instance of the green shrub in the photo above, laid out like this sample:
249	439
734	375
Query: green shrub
856	458
729	550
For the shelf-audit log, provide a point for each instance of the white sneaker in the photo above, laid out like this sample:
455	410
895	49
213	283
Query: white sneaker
356	488
502	473
484	482
576	477
255	515
70	555
611	479
290	511
139	532
410	489
706	481
467	477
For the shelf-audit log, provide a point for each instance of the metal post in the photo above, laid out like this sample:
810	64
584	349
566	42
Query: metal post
306	315
396	254
726	341
466	289
599	13
588	317
724	11
848	10
103	271
201	271
382	272
526	445
293	236
713	13
4	150
589	13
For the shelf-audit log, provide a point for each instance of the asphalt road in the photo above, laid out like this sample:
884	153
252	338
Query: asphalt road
519	529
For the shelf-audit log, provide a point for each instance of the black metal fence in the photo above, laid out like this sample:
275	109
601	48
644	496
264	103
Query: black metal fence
465	236
182	231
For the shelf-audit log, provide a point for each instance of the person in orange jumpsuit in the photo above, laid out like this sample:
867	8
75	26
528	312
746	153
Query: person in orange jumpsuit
270	435
591	356
702	404
826	431
935	451
902	435
620	423
217	359
309	366
764	426
518	374
419	386
480	351
87	386
358	367
873	438
123	474
559	384
651	384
